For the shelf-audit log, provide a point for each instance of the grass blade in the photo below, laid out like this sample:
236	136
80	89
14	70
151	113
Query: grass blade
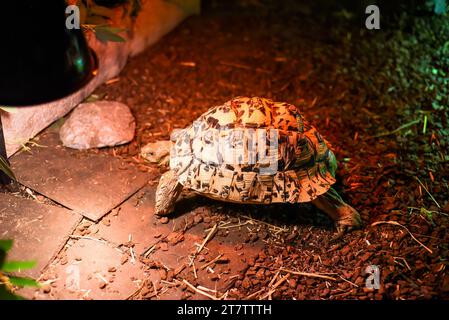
23	282
4	166
14	266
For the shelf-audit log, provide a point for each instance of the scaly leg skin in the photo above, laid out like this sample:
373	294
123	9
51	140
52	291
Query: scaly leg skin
167	192
346	217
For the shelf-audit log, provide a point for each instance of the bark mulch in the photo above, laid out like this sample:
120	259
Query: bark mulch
380	97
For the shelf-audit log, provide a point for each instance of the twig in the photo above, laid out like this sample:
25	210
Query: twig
133	259
242	66
281	281
168	283
411	123
208	237
350	282
400	225
307	274
254	294
206	289
204	266
99	276
135	293
148	252
273	289
179	270
199	291
225	225
200	248
436	202
274	278
405	261
280	229
155	290
112	81
86	238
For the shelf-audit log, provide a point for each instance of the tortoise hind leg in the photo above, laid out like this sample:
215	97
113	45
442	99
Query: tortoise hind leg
167	192
345	216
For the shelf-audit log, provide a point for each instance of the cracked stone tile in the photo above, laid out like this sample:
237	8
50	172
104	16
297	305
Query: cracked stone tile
39	231
92	269
86	182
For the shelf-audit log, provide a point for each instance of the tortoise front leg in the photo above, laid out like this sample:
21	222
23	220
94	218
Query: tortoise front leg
167	192
345	217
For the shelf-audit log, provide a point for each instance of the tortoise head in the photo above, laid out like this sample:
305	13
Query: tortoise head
168	190
157	152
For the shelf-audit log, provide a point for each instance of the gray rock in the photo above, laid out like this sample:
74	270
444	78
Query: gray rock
98	124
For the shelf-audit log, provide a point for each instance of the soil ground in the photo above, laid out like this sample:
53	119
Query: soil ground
368	92
379	96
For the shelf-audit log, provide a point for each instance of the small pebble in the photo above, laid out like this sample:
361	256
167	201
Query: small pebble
63	260
164	220
198	219
46	289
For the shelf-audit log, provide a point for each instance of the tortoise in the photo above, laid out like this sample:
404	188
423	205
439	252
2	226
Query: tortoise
254	150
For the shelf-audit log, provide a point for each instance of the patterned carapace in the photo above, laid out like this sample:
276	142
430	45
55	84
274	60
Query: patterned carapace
304	166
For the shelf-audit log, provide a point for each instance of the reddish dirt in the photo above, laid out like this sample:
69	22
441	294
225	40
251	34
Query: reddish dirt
353	85
367	92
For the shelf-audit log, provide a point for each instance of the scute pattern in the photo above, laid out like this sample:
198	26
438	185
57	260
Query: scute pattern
305	164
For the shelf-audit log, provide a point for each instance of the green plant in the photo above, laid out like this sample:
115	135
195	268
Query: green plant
4	167
98	19
9	281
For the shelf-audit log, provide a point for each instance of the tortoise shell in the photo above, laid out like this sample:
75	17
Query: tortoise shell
253	150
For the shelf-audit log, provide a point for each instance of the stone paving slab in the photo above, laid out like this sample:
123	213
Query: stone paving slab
102	257
39	231
91	184
135	220
92	270
232	249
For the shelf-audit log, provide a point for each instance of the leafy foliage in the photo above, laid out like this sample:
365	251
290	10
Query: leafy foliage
14	266
4	167
98	19
8	281
106	33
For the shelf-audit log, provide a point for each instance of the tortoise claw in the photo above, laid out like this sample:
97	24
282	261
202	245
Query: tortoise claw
343	229
348	222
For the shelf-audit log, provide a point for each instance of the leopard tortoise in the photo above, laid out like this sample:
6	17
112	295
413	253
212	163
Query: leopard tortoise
254	150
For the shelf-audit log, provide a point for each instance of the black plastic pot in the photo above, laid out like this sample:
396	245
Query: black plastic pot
40	59
110	3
